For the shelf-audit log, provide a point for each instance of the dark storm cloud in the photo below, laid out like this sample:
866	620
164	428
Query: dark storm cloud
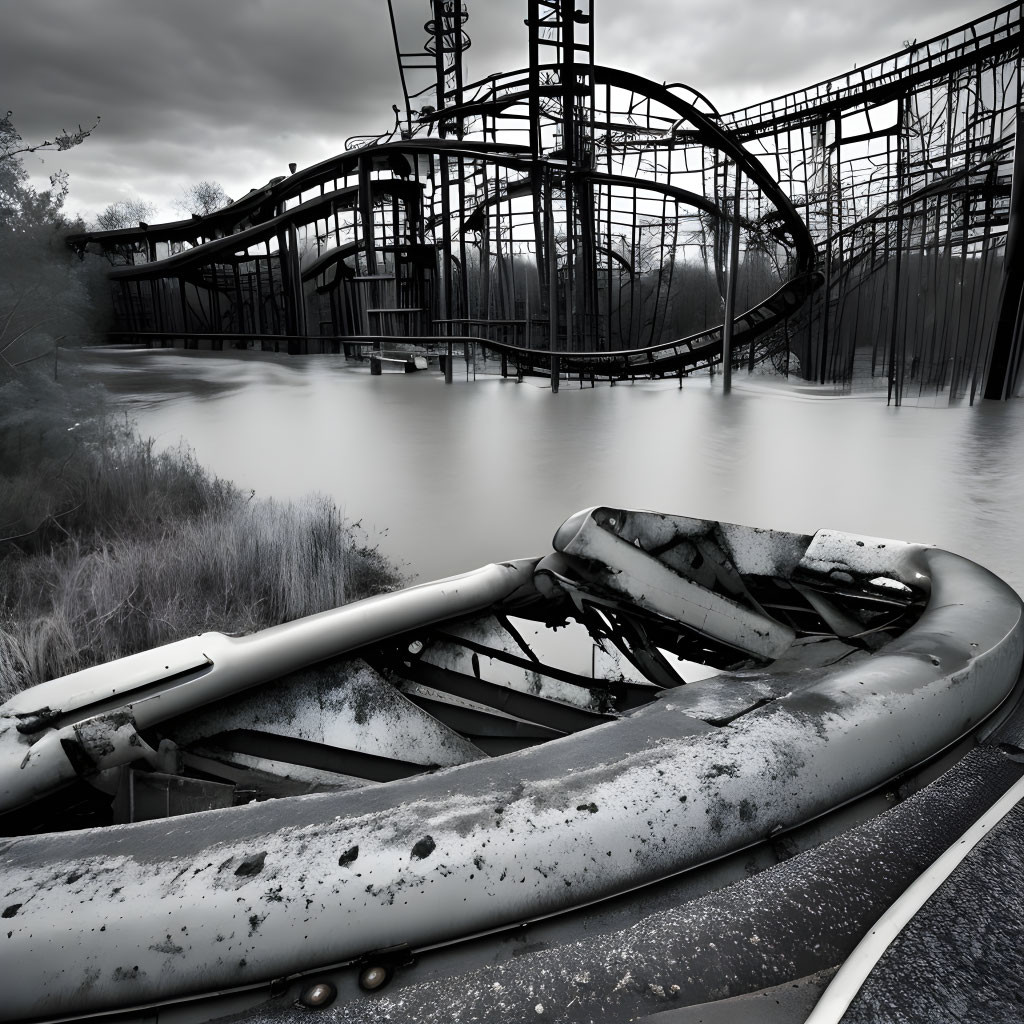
228	89
235	89
159	69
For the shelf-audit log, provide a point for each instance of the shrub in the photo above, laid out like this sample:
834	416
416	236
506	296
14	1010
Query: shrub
107	546
133	548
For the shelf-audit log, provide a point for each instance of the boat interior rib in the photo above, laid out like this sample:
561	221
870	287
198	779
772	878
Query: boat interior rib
587	643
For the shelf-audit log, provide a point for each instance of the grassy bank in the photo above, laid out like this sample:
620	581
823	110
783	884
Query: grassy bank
108	547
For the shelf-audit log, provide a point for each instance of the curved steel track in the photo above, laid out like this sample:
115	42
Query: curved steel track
579	219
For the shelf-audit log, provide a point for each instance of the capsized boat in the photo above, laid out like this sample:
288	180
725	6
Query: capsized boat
302	814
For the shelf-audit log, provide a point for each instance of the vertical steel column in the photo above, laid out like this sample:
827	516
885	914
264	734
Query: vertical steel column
239	324
587	102
284	258
567	76
552	264
1008	336
459	43
463	248
895	372
730	293
297	297
366	214
484	248
437	25
826	291
539	181
259	318
216	321
184	307
401	68
446	259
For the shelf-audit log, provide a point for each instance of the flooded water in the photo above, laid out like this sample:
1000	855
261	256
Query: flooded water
476	471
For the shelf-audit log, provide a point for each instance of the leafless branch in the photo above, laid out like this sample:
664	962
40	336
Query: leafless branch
62	142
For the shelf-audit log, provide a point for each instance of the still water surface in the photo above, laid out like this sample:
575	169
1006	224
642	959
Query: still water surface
477	471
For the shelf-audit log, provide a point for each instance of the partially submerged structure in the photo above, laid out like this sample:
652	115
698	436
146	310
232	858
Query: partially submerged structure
578	219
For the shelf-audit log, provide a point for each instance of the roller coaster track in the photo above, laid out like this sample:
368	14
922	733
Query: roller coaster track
549	213
684	355
696	350
990	38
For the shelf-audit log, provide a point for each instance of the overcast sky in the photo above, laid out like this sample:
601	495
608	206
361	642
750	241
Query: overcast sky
233	90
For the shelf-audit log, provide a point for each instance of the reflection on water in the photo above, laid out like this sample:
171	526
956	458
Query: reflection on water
477	471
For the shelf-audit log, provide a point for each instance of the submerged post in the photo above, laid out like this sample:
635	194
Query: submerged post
1008	342
730	289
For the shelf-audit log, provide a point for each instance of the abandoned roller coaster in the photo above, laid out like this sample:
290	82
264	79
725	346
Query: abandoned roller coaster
579	221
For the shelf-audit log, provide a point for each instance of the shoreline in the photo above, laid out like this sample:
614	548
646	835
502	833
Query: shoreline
124	547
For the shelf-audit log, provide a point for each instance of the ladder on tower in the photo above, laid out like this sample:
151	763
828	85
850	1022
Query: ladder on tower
561	144
442	52
567	28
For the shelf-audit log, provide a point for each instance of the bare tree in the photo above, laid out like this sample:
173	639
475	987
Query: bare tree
125	213
21	206
13	144
202	198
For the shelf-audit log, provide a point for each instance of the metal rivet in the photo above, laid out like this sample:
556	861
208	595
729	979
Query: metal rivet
373	978
318	995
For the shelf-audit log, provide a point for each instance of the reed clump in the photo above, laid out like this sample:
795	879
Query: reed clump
109	546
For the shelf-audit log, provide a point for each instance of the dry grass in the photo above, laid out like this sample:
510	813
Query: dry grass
129	548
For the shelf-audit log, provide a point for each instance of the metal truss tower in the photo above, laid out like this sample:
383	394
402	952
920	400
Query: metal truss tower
561	107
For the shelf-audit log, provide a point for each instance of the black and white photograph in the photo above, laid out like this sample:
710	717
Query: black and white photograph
509	513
